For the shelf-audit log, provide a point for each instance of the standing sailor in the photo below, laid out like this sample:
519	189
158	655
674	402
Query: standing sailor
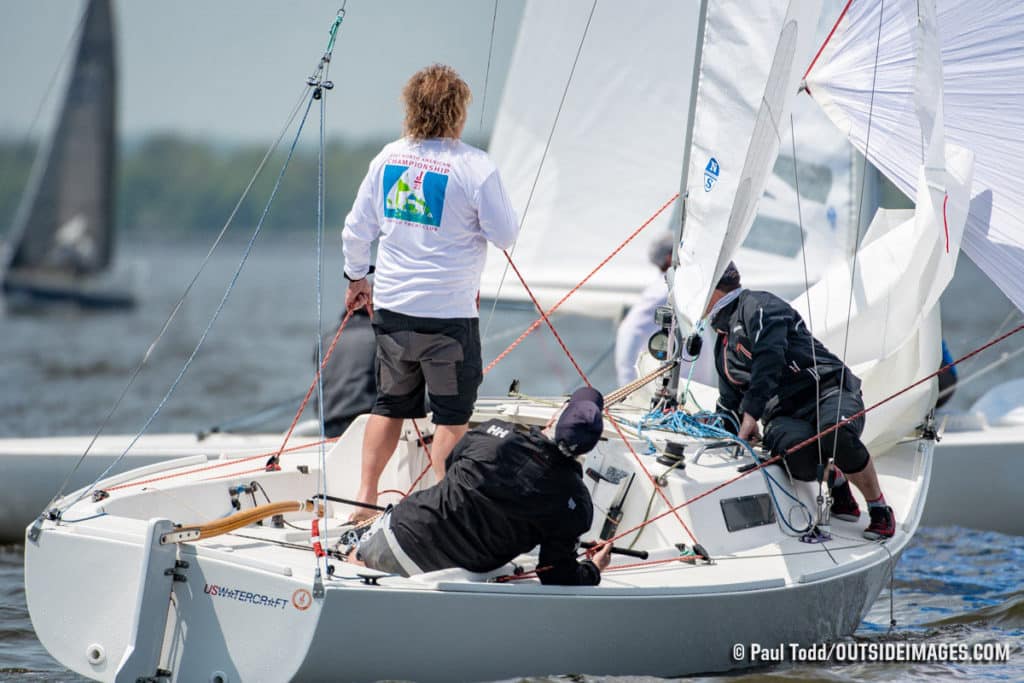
638	324
434	202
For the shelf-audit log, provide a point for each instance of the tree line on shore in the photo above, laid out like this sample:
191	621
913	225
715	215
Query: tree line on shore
170	185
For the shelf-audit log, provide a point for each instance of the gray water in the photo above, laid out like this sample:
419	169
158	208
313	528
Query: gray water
61	371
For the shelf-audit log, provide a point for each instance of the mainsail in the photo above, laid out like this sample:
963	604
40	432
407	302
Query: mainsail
616	152
739	117
64	225
983	76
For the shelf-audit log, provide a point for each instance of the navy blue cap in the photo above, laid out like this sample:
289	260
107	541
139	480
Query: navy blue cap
580	426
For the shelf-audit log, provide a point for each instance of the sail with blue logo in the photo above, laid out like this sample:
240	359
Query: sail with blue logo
739	116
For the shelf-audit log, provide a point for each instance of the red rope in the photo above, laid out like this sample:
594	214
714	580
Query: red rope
316	378
273	454
824	432
536	323
430	460
904	390
607	414
827	39
226	463
546	319
770	461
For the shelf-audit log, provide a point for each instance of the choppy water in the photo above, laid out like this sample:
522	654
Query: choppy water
60	372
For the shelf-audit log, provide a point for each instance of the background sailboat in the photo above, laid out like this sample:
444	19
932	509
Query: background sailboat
61	245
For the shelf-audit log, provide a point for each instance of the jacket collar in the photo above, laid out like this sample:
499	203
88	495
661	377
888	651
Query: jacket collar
723	309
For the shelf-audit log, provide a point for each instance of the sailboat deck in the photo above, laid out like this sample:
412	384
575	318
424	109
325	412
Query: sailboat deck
195	490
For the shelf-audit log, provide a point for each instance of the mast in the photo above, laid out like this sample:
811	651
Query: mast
673	383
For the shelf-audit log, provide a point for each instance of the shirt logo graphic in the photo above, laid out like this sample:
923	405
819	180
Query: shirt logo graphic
495	430
414	195
711	172
572	504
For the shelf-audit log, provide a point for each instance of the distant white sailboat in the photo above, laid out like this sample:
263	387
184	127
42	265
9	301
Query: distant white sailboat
61	245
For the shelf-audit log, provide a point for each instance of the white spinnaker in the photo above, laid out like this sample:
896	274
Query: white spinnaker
983	76
616	152
888	331
751	62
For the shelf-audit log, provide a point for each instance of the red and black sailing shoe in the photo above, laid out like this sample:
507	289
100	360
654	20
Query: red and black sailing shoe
844	505
883	524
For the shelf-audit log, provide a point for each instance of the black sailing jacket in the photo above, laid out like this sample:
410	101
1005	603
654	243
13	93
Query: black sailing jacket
504	492
764	358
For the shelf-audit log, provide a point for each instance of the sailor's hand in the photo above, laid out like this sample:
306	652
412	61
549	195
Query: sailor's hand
359	294
749	430
603	557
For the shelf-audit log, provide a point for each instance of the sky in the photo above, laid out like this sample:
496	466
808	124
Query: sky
230	70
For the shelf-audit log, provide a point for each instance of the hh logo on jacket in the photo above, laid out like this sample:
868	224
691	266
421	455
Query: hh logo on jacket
413	194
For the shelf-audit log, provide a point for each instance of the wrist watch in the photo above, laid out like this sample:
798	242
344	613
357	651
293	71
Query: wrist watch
357	279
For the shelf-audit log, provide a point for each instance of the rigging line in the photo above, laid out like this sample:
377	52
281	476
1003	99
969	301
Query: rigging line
607	413
540	166
217	465
487	71
807	292
51	82
322	88
213	319
904	390
537	323
312	386
860	209
1002	360
181	300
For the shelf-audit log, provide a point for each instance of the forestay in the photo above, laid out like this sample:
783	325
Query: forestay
751	61
983	75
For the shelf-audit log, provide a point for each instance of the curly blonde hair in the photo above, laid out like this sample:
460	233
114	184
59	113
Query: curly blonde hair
436	100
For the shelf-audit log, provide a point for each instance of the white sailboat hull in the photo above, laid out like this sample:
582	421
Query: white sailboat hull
975	480
244	610
34	468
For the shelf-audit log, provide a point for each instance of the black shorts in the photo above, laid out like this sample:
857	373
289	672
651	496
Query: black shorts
783	432
436	358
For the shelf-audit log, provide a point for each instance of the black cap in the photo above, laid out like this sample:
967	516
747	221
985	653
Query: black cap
580	426
730	279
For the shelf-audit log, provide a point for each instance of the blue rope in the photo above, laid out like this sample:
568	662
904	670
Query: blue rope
706	425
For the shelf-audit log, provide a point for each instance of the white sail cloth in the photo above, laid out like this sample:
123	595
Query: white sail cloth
883	319
615	153
983	76
616	156
751	62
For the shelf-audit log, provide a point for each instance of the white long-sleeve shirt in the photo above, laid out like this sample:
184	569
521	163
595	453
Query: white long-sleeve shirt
434	204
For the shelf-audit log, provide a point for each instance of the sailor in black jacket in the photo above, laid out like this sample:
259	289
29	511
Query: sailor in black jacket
505	491
770	368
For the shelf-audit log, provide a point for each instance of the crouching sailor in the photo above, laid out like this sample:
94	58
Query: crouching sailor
505	491
770	368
